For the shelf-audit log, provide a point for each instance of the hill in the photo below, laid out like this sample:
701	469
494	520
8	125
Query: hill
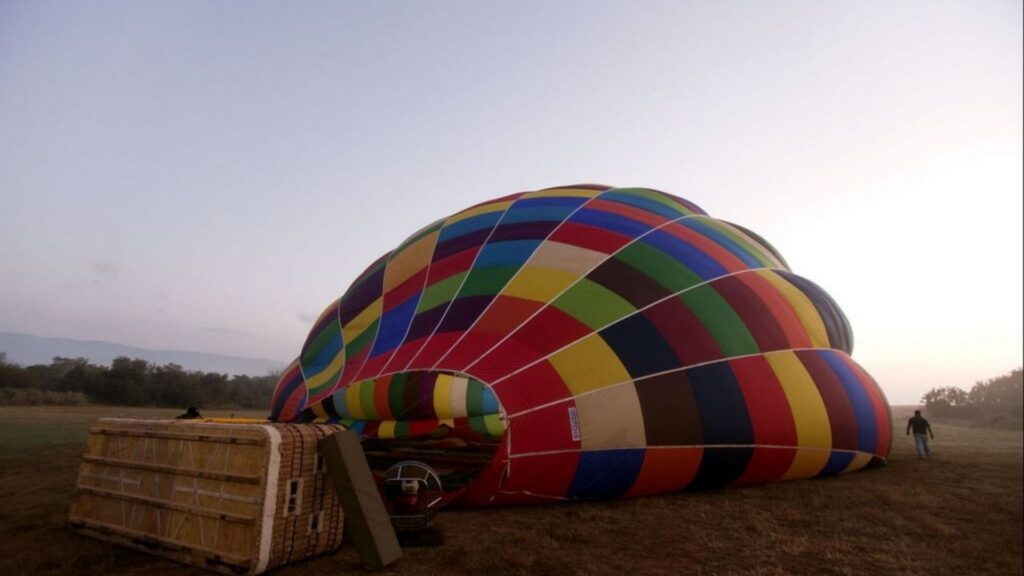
27	350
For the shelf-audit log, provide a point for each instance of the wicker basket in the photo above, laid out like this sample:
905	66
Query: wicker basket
235	498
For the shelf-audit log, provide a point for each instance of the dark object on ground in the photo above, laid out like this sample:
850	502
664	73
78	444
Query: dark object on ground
191	414
366	516
430	536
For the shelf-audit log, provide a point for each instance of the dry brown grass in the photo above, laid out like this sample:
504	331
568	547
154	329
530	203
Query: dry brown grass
960	513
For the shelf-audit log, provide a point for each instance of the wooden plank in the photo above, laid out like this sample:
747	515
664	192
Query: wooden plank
179	436
240	478
167	505
168	543
365	514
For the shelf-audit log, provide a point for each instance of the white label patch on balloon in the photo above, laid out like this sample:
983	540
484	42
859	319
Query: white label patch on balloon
574	424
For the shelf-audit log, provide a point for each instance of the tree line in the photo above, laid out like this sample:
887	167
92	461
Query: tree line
129	382
992	399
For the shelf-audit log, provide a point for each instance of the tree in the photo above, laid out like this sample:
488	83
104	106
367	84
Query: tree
994	398
129	382
14	376
944	401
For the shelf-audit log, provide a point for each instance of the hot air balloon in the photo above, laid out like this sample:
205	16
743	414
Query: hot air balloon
590	342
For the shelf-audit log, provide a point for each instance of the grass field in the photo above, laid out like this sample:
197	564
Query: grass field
959	513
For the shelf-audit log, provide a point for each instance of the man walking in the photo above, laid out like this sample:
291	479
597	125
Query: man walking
922	430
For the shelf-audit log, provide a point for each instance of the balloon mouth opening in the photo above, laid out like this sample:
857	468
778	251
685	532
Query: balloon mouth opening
450	421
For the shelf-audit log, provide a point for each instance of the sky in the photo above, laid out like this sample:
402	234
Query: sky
210	175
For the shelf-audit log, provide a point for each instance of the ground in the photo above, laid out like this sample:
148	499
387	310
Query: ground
959	513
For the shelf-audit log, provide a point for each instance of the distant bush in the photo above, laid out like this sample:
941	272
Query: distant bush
994	399
133	382
36	397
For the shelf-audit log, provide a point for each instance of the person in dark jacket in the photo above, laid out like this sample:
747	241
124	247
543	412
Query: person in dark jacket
922	431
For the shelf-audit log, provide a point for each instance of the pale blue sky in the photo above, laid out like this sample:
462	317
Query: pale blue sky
210	175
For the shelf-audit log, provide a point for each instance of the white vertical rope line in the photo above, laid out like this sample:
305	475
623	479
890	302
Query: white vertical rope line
390	255
461	284
506	470
344	363
345	367
576	282
662	373
422	291
305	388
516	273
302	372
630	315
519	270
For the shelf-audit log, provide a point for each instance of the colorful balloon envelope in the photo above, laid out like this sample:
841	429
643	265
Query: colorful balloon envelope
609	341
